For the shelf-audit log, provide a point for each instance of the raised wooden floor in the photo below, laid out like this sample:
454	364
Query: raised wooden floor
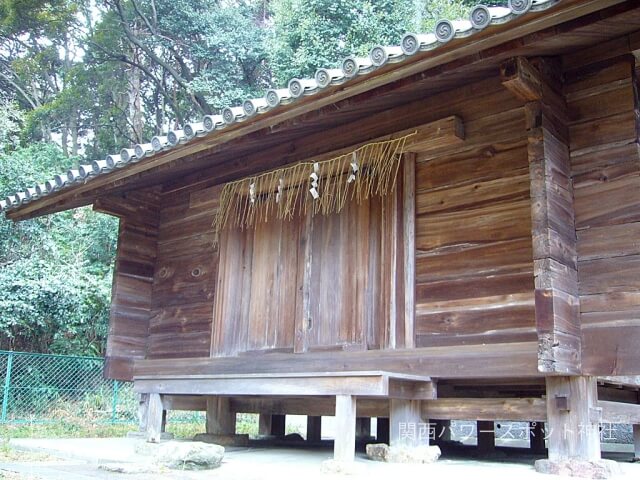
506	360
364	384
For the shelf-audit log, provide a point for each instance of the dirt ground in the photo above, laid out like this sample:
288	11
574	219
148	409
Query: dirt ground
80	459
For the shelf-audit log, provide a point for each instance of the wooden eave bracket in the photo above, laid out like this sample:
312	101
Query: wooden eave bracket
446	132
522	79
531	84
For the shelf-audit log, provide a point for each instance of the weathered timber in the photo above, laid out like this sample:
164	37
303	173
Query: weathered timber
572	418
486	409
278	425
314	429
486	431
372	384
184	402
405	419
448	362
620	412
131	295
154	418
409	249
221	419
344	444
537	437
264	424
603	103
552	213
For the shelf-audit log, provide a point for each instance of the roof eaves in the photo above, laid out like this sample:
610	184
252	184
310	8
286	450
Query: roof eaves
445	31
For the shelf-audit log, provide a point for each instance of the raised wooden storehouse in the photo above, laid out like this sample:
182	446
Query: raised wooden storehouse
447	229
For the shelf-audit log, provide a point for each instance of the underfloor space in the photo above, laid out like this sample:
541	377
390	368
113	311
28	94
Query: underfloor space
75	459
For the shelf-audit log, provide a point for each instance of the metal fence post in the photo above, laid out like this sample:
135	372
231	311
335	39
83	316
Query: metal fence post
114	405
7	386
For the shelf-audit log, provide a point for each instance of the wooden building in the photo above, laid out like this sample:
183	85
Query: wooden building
472	254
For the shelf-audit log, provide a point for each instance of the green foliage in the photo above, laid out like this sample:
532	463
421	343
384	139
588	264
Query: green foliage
112	73
10	119
55	272
309	34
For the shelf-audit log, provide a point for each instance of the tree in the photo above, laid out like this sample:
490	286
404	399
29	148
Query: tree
94	76
37	49
311	34
55	271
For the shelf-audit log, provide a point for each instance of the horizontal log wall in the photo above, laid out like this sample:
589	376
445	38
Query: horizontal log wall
474	260
185	276
603	109
132	279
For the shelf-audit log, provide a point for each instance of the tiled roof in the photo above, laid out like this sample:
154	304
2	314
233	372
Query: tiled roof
481	17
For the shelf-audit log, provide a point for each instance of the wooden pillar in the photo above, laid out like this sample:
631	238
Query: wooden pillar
163	428
409	246
536	437
314	429
278	425
154	418
636	441
221	420
264	424
382	430
363	428
345	442
143	411
442	431
557	301
486	436
573	419
405	423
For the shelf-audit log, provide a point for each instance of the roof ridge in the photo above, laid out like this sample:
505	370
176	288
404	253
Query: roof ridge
481	17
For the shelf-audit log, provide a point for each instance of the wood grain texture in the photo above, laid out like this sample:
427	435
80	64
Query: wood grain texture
185	276
603	105
577	433
474	268
459	361
132	280
556	304
344	444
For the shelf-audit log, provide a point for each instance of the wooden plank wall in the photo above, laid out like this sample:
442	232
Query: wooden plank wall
603	108
185	276
474	261
132	280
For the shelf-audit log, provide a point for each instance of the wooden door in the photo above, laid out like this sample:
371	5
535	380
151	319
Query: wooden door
309	283
343	279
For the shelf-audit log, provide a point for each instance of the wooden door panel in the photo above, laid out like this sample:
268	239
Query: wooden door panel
309	283
272	308
344	284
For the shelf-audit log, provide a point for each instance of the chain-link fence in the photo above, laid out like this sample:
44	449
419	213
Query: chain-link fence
36	388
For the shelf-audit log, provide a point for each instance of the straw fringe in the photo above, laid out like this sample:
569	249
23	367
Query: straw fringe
369	170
